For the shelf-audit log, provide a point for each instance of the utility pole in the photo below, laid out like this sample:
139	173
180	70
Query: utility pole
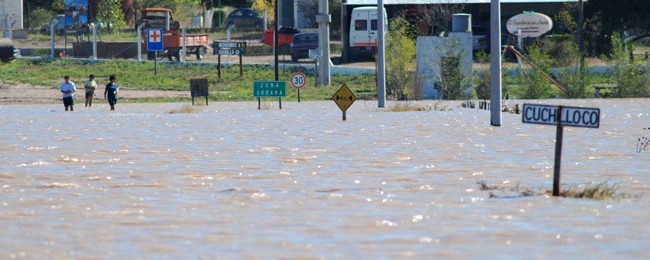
495	65
323	19
381	61
275	40
581	36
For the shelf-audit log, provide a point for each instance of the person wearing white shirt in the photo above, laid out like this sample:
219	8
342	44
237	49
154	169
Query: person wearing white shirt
68	88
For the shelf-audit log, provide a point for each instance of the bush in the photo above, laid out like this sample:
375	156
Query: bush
482	84
40	17
562	49
631	79
400	57
533	84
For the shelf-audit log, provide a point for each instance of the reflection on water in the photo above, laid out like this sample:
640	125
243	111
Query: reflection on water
233	181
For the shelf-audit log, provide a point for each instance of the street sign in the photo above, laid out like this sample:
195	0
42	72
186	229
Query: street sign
314	53
155	39
229	45
344	97
228	51
269	89
571	116
298	80
560	116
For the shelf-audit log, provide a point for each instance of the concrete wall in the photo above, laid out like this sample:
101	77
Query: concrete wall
429	53
11	11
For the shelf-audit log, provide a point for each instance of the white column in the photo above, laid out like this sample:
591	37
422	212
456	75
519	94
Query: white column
495	66
381	60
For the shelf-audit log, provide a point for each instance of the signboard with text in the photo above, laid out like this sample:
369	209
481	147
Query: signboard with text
570	116
269	89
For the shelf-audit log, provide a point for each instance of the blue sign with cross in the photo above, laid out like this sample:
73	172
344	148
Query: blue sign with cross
155	39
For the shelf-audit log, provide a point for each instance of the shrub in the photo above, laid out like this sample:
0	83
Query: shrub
400	57
482	84
630	78
533	84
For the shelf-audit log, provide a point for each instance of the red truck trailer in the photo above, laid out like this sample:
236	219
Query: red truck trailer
196	43
285	37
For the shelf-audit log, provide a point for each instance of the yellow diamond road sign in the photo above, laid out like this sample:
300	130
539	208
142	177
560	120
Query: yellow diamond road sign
344	97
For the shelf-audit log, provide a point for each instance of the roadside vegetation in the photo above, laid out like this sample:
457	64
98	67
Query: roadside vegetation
173	76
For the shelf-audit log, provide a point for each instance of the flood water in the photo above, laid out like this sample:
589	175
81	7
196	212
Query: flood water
232	181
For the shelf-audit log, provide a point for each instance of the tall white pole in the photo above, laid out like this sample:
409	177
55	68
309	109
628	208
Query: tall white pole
139	40
184	50
52	26
94	41
381	61
323	19
495	66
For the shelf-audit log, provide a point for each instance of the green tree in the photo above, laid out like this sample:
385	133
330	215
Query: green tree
110	11
400	57
604	17
533	84
631	79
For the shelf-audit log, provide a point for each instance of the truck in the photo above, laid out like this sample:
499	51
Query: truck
285	38
363	31
172	36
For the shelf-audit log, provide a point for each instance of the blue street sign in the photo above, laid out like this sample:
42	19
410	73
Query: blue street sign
155	39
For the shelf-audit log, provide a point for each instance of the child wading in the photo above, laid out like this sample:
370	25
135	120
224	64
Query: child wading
110	92
90	85
68	88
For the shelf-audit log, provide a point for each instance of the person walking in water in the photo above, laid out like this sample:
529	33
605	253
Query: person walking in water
68	88
110	93
90	85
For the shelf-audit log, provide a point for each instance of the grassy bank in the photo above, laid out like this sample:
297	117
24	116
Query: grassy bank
140	75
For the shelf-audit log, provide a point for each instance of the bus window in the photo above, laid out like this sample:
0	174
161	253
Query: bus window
373	24
360	25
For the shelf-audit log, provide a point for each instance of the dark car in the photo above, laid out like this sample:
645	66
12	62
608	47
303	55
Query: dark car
301	44
244	17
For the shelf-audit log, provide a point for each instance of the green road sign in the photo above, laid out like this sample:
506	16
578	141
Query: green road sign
269	89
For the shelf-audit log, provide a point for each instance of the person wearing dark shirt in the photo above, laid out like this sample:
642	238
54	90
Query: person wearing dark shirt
110	93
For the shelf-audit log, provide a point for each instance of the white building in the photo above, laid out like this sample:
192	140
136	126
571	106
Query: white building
11	16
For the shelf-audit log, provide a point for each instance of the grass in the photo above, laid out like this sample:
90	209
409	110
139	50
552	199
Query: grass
140	75
600	191
185	109
406	107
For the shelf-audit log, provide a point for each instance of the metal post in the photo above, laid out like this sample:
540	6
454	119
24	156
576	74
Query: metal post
52	25
558	153
323	19
139	40
184	50
381	68
167	20
275	41
94	41
495	66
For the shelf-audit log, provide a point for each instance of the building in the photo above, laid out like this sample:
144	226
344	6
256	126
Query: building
11	15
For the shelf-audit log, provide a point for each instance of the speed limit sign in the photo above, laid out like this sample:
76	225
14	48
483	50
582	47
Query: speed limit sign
298	80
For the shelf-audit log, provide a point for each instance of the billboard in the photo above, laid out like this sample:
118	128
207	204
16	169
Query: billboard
76	16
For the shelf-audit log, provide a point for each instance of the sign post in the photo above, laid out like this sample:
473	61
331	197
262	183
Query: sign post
344	98
560	116
298	80
198	88
229	48
155	44
269	89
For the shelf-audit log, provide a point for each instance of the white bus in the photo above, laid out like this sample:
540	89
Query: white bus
363	31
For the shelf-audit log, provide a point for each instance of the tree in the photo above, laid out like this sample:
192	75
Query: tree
110	12
604	17
400	57
265	5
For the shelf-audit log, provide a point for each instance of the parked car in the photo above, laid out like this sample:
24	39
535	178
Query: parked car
245	17
301	44
59	28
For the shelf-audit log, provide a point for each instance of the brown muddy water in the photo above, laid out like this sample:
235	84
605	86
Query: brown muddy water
231	181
